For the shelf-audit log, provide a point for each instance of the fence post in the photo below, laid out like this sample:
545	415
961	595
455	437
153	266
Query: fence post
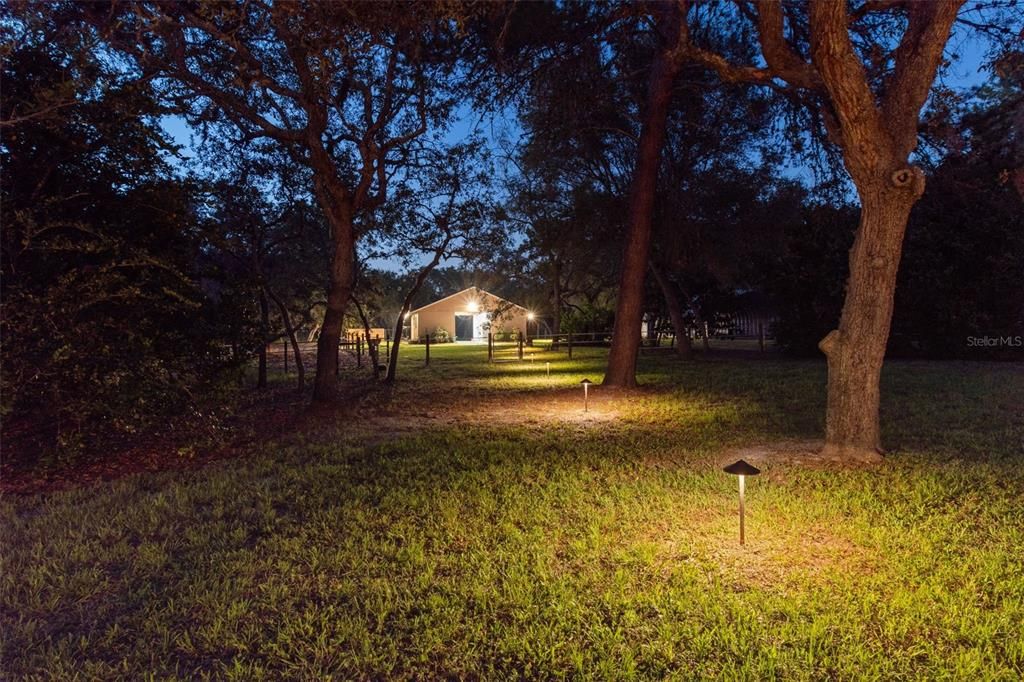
337	358
520	345
427	361
387	340
490	346
760	335
284	349
570	345
359	352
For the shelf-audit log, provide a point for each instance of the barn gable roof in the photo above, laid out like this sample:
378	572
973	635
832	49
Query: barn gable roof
471	292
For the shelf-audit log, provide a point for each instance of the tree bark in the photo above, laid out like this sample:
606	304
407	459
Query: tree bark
621	370
675	312
339	293
856	350
877	138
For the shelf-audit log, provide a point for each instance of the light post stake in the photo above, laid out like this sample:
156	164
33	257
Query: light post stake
742	529
586	394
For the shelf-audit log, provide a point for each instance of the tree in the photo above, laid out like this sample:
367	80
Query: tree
274	241
591	119
707	227
714	229
105	323
871	89
571	236
584	118
444	214
666	65
346	88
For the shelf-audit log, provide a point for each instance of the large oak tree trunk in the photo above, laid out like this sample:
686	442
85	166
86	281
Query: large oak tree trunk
339	293
856	350
876	128
621	370
877	137
675	312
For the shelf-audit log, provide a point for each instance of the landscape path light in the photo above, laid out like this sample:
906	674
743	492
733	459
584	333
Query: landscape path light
742	469
586	394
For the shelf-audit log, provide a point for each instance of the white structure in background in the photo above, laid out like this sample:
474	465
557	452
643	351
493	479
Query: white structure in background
468	315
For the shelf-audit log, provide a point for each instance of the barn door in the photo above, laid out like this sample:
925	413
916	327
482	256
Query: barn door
463	327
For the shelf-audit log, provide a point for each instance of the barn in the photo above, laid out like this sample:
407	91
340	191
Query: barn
468	315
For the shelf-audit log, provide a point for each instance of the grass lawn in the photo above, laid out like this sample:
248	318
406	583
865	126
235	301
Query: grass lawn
477	524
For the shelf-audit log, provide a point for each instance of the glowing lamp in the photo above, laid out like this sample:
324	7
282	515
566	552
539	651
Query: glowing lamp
586	394
473	306
529	316
742	469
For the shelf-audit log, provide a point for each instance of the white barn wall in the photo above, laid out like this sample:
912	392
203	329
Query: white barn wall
442	313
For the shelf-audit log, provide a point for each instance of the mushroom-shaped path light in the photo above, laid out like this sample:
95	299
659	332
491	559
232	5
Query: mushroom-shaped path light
586	394
742	469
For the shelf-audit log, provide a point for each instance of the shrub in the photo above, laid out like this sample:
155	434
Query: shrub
505	335
441	335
